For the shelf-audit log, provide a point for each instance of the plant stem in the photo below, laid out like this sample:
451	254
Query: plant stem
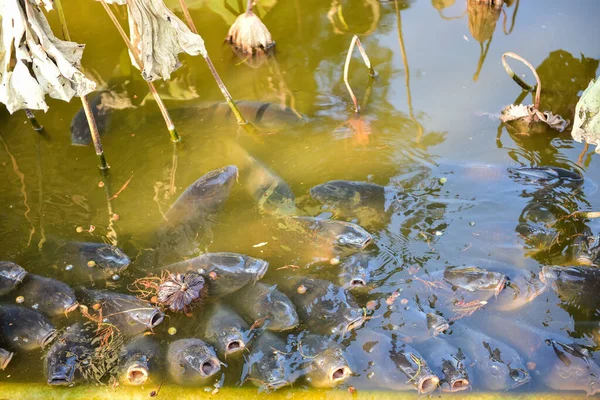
365	58
238	114
249	6
34	122
346	67
86	106
135	54
521	82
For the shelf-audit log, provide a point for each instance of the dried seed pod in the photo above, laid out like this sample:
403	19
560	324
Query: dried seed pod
180	292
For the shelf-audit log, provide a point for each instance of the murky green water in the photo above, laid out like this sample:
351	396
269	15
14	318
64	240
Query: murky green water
431	113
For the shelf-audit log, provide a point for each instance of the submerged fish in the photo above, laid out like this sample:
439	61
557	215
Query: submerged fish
323	360
192	362
352	199
268	365
448	362
381	362
81	262
24	329
190	216
47	295
547	174
324	307
272	194
224	272
355	271
128	314
585	249
11	275
410	323
262	303
5	357
140	358
80	129
473	279
63	361
555	360
496	365
520	291
225	330
576	286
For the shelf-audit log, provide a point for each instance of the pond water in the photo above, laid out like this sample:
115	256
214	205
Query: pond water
428	132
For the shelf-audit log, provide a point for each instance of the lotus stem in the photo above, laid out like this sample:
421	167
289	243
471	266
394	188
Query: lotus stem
248	6
241	120
521	82
86	106
135	54
514	16
346	67
34	122
365	57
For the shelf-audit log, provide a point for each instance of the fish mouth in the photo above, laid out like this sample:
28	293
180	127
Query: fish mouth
210	366
428	384
49	338
520	377
261	270
61	375
357	283
584	261
71	308
546	274
366	242
5	357
156	318
501	286
19	274
234	346
457	385
137	374
277	384
355	323
340	374
441	328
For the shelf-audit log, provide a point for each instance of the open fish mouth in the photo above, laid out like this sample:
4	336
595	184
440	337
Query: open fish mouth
441	328
49	338
277	385
209	366
5	358
457	385
18	275
234	346
61	375
357	283
72	307
428	384
137	374
340	374
261	270
355	323
156	318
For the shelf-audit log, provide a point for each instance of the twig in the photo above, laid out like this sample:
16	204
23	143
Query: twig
135	54
241	120
38	168
512	25
114	196
86	106
580	158
521	82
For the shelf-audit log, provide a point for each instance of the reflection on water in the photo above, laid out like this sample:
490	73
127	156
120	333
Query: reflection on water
440	238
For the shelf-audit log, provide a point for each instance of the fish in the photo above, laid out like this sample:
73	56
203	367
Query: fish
355	271
324	236
224	272
11	275
64	358
5	357
46	295
555	360
129	315
473	279
273	195
323	360
382	362
224	329
22	329
192	362
352	199
82	262
409	321
140	358
191	215
585	249
268	365
323	306
266	304
80	129
519	292
496	365
543	174
576	286
448	362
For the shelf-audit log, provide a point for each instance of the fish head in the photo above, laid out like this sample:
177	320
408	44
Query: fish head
474	279
199	359
212	189
104	257
63	301
147	316
137	373
328	368
332	192
282	315
350	319
354	277
586	250
12	272
271	371
456	378
436	324
63	373
353	236
573	369
256	267
231	341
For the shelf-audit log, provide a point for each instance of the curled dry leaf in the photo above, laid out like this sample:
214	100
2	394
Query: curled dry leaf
34	62
159	36
523	117
586	126
249	35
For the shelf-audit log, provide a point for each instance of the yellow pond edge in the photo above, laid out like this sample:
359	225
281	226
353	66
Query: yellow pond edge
33	391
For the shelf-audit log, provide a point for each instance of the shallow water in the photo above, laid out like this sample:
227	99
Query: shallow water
437	121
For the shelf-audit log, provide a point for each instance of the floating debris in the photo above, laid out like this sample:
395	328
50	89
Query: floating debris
586	125
179	292
249	35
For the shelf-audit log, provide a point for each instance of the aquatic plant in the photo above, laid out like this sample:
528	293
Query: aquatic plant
249	35
586	125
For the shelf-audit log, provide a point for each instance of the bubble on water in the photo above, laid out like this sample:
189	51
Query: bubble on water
69	267
91	263
35	306
472	223
116	277
443	180
334	261
20	299
370	375
438	233
172	330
